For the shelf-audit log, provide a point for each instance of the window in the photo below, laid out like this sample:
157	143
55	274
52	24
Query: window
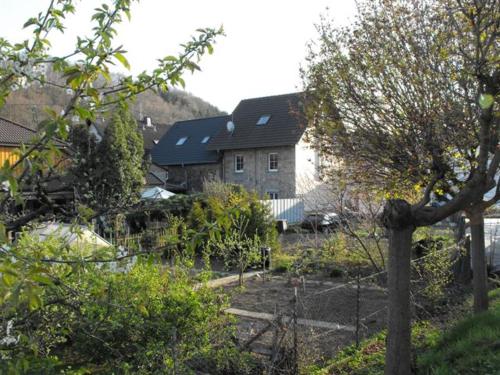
181	141
263	120
273	162
205	140
238	163
272	194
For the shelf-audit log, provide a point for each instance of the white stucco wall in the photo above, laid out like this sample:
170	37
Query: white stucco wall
306	167
93	130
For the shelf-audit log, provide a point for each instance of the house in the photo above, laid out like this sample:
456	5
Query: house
261	146
265	150
183	152
12	136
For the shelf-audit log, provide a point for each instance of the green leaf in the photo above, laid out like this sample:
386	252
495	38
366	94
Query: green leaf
122	59
83	113
8	279
34	300
30	22
486	101
42	279
3	233
144	311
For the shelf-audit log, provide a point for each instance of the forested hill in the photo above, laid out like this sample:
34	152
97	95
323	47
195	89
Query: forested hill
26	106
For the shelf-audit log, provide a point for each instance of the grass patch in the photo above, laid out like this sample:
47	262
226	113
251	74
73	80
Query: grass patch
369	358
471	346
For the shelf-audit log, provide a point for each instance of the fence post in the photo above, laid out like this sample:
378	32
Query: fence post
358	298
295	334
274	349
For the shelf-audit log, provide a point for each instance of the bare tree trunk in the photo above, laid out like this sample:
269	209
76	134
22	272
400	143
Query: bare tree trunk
464	264
480	277
398	354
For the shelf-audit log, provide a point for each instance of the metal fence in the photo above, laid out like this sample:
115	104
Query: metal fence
294	321
289	209
492	242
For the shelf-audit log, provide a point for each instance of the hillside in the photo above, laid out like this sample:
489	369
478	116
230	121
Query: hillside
26	106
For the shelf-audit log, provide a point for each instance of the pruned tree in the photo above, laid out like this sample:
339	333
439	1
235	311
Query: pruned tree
407	99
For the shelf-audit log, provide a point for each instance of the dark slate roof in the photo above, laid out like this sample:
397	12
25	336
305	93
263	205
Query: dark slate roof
13	134
192	151
285	126
151	135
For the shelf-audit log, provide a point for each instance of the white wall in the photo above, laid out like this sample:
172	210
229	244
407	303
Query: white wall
93	130
306	167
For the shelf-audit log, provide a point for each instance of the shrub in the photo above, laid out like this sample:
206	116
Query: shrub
179	205
86	318
224	205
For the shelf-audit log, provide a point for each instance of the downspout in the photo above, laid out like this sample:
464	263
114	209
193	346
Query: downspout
223	175
185	176
255	170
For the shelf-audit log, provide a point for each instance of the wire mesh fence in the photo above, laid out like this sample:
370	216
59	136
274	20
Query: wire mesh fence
294	320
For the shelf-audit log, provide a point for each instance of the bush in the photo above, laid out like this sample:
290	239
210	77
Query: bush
85	318
282	262
179	205
223	204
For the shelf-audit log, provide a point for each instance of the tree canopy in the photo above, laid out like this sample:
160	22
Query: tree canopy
406	100
109	175
405	96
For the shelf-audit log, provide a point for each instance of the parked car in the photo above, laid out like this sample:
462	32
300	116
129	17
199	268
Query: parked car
322	222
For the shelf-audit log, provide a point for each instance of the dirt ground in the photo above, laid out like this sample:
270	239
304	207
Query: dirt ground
320	307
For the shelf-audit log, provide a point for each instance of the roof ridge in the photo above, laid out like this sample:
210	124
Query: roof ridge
200	118
273	96
18	124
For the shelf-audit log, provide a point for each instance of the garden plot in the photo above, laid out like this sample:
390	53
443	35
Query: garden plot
328	313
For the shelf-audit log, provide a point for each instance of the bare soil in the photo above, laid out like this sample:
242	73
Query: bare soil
331	302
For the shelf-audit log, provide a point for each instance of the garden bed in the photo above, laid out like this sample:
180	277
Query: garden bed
326	311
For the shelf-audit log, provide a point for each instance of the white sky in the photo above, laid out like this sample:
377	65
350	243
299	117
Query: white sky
261	54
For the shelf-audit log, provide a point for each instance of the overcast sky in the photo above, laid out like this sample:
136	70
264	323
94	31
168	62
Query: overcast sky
260	55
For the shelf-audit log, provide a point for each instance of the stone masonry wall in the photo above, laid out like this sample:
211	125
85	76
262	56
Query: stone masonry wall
256	175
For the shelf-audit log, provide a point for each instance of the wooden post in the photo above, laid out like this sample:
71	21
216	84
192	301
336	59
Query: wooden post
295	334
358	298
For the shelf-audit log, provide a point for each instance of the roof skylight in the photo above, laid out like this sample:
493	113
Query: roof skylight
263	120
181	141
205	139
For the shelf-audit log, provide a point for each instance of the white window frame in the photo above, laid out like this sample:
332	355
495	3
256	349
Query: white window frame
263	120
269	162
273	194
236	170
181	141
